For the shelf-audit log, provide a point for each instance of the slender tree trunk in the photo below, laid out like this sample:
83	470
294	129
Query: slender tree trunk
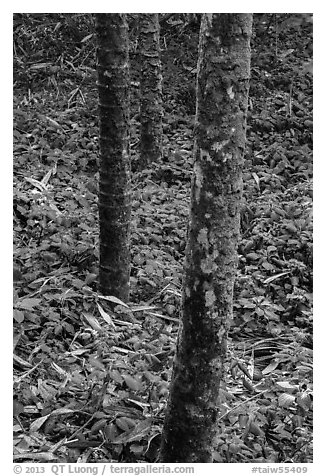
150	89
211	257
114	187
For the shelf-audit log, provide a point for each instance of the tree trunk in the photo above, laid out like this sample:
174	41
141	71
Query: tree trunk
114	186
211	256
150	90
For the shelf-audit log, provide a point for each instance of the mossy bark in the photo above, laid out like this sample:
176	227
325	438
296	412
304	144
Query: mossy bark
150	90
211	256
114	185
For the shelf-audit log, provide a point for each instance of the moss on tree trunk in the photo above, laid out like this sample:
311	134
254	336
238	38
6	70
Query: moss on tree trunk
211	256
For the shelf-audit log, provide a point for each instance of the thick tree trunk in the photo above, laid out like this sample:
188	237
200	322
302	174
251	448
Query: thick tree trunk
211	256
114	187
150	89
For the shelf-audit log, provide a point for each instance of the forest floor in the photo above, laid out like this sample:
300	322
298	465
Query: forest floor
91	373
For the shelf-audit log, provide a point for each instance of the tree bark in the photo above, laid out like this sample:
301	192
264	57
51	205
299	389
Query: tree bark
150	90
114	185
211	256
